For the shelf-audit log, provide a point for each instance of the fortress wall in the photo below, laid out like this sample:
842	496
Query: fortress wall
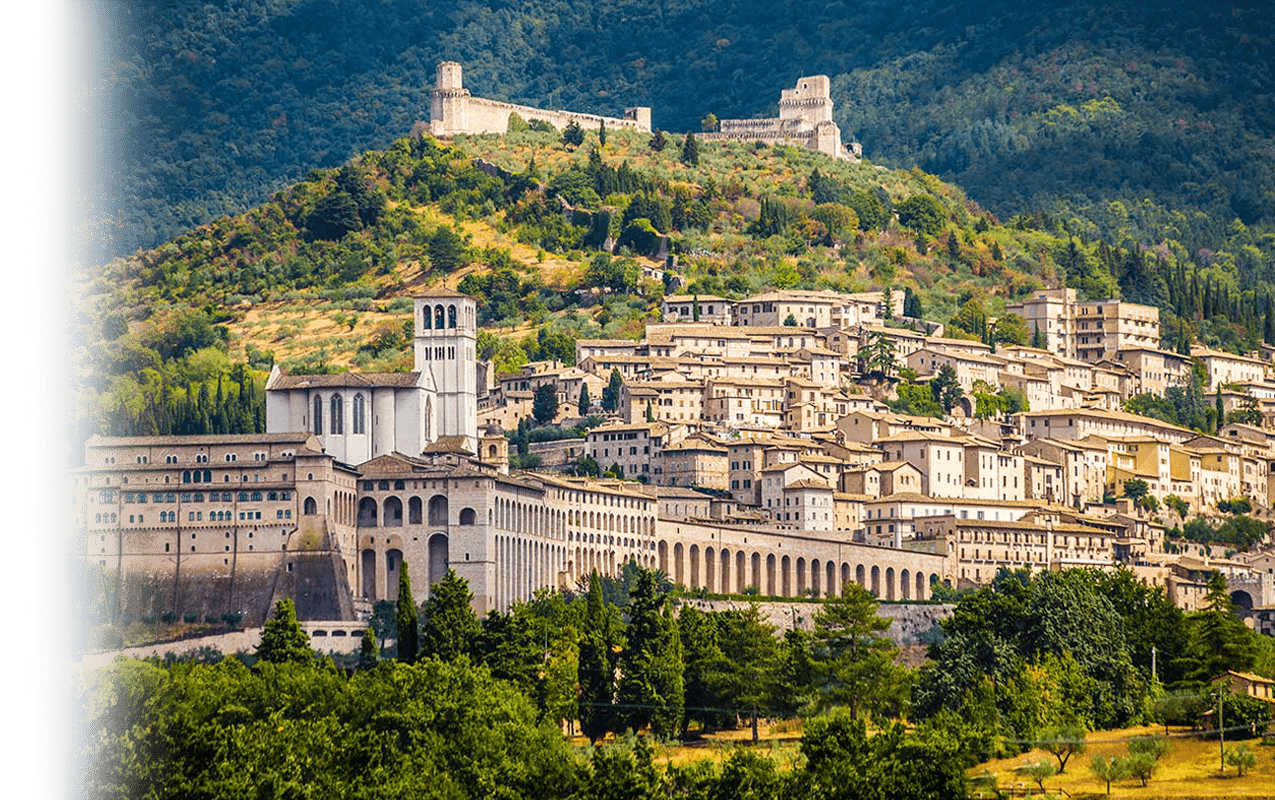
768	136
481	115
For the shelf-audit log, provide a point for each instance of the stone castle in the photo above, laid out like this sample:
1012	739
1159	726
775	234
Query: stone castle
805	116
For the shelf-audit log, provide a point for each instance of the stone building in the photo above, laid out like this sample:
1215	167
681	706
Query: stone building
805	119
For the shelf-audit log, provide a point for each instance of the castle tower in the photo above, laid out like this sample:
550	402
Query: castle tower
810	99
449	103
446	325
494	447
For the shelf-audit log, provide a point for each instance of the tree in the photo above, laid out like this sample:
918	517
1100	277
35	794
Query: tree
611	393
744	677
854	658
1039	342
334	216
282	639
1011	329
690	151
602	133
651	689
598	642
1141	766
1135	489
408	647
922	213
544	404
790	321
1219	640
1241	758
650	412
1157	746
658	140
1108	769
448	625
1038	771
1219	412
946	388
572	135
583	406
695	308
878	356
709	122
912	304
369	655
446	250
1063	741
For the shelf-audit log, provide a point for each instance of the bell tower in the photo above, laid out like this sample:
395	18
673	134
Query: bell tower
446	324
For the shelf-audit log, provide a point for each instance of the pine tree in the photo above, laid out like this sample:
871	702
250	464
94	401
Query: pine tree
282	639
658	140
855	657
572	134
448	625
596	671
650	689
406	618
690	151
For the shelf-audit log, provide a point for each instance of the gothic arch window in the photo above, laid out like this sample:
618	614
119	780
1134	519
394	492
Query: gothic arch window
425	320
451	316
318	415
338	422
358	413
438	317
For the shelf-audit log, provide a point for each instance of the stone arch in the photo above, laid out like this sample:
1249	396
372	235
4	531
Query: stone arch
309	507
694	576
875	588
845	576
439	317
678	576
392	516
367	513
770	574
663	551
468	516
785	577
860	577
710	569
889	584
437	550
726	585
756	572
905	585
393	560
920	586
801	576
1243	602
438	510
413	511
831	588
816	578
451	316
368	568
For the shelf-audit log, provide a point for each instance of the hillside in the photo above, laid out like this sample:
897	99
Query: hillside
1119	123
319	278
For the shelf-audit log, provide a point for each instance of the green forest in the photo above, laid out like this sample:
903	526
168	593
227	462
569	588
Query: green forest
1136	126
461	707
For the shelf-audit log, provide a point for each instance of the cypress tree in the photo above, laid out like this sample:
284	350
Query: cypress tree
405	616
1217	404
602	133
368	652
690	151
282	639
583	406
596	671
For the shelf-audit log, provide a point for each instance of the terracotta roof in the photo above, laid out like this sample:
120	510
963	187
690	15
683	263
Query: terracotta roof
369	380
298	437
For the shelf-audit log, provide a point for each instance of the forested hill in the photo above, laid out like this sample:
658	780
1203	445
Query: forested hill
1132	123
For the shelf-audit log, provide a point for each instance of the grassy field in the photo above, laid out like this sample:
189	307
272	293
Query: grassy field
1191	769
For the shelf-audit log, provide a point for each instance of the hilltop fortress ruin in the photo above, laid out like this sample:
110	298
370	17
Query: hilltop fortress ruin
805	116
805	119
454	110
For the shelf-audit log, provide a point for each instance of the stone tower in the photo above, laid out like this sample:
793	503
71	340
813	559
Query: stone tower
494	447
446	325
810	99
449	103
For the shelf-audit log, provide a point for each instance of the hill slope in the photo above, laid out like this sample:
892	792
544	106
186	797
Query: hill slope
1124	123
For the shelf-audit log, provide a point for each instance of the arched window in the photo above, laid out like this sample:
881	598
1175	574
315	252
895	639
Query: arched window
425	320
438	317
256	497
318	415
243	497
451	316
185	476
414	511
338	424
367	513
393	513
207	476
438	508
358	413
467	516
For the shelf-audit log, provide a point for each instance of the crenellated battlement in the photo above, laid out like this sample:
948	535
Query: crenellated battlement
805	119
